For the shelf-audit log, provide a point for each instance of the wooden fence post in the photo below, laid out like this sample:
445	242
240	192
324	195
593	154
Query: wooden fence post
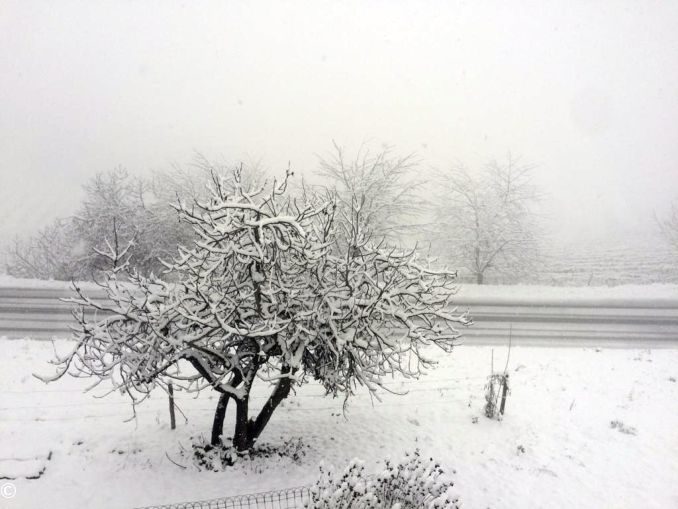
170	391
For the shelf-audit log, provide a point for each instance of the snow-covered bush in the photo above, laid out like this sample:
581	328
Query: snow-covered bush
206	456
623	428
265	293
413	483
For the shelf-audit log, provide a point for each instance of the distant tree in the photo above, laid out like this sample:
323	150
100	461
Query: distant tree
54	252
192	181
113	211
265	292
117	209
375	190
487	222
669	226
120	207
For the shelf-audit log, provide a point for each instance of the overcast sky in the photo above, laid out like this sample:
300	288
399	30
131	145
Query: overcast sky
586	90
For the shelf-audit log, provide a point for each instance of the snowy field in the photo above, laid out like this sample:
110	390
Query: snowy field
584	428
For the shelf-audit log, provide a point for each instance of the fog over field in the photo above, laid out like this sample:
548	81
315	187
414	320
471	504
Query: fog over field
588	92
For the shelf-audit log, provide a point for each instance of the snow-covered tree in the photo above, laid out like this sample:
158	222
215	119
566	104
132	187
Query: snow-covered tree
374	189
117	209
111	210
119	206
54	252
191	181
265	293
487	222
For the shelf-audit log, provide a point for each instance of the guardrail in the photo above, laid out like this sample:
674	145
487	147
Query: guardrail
38	313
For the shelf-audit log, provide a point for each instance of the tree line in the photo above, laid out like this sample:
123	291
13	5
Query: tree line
482	221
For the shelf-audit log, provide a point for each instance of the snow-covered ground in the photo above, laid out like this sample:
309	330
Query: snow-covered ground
548	294
7	281
584	428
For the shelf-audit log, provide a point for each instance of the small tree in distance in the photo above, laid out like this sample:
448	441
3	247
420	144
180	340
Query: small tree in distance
264	294
669	226
376	185
488	222
116	207
54	252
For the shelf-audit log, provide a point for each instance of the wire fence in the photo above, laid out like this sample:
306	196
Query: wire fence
292	498
151	409
187	404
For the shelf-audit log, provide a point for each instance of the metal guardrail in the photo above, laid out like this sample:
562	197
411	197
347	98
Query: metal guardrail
38	313
293	498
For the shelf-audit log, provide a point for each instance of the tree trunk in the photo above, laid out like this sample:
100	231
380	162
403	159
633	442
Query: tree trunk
219	416
479	278
246	430
281	391
170	391
220	412
241	437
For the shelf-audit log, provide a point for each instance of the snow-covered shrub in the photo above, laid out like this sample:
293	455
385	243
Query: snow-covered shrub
623	428
413	483
493	392
206	456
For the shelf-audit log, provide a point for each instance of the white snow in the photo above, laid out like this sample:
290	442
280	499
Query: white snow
7	281
564	295
567	411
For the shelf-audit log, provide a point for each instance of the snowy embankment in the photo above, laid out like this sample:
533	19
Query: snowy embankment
15	282
584	428
653	295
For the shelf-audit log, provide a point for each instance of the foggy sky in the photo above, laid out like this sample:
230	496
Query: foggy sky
588	91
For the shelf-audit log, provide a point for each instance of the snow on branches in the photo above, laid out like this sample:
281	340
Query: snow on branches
265	292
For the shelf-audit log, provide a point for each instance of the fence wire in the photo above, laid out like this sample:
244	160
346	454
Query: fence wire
293	498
